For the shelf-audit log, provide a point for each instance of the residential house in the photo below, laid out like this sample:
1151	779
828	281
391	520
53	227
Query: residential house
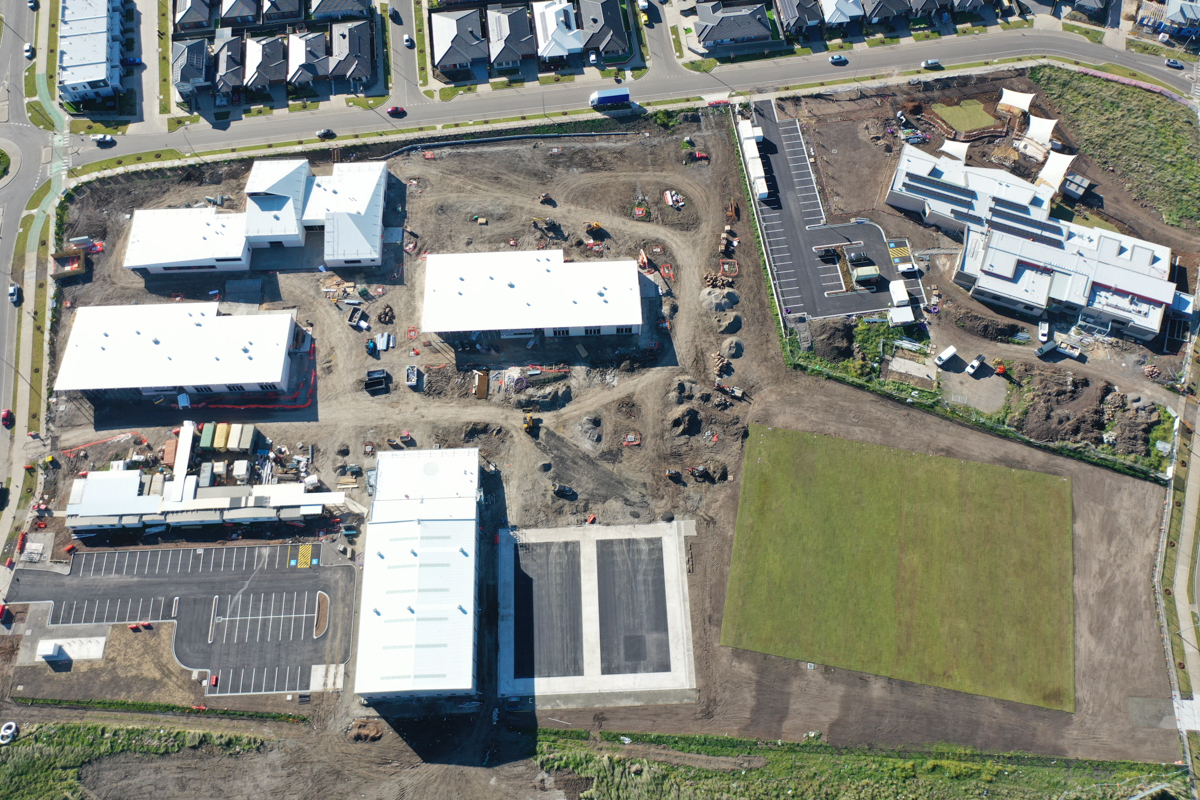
1177	18
973	6
510	36
604	27
282	10
923	8
1090	7
238	12
229	58
350	51
718	24
796	16
341	9
189	67
558	33
90	33
308	58
880	10
458	42
841	12
266	63
193	15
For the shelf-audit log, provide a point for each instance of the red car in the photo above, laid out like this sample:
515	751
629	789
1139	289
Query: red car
6	418
395	111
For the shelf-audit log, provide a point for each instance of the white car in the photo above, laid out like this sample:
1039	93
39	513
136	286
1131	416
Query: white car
14	293
931	63
976	364
103	138
592	58
947	354
29	51
408	42
1044	330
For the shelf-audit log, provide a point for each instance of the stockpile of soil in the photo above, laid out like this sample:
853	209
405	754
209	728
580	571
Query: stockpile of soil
1130	433
1065	408
998	330
833	339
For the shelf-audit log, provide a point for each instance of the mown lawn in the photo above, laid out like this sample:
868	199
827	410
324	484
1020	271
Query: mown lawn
926	569
967	116
1151	142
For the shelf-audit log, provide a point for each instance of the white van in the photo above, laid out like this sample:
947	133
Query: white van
947	354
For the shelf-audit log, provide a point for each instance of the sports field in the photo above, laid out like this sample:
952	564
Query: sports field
966	116
926	569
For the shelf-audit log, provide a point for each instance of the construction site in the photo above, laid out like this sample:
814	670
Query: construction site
638	427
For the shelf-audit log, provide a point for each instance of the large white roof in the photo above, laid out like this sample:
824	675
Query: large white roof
160	236
417	619
83	41
172	344
1019	100
351	189
527	289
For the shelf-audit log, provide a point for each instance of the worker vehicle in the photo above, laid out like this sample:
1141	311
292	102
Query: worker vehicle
103	139
7	418
528	424
1046	349
838	60
395	111
325	133
645	20
733	391
1043	330
1173	63
931	63
29	51
14	294
408	42
609	97
946	355
562	490
976	364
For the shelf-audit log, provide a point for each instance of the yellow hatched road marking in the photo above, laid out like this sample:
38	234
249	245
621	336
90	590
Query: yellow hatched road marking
305	559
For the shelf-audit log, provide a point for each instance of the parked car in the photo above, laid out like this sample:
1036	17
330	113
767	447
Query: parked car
395	111
29	51
1173	63
976	364
592	58
103	139
325	133
931	63
947	354
6	418
408	42
643	5
131	62
1044	330
645	20
838	60
33	4
14	294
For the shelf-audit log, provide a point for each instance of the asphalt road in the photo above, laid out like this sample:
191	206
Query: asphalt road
246	614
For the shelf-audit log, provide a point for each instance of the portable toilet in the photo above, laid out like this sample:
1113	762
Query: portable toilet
235	436
221	439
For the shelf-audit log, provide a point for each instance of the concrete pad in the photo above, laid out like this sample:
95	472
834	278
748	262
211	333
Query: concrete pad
78	649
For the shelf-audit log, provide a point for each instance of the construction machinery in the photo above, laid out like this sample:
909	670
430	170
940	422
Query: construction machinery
528	425
674	475
733	391
544	199
731	211
700	472
592	227
562	490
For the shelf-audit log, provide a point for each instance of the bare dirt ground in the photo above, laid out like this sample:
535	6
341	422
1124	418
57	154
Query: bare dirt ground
682	423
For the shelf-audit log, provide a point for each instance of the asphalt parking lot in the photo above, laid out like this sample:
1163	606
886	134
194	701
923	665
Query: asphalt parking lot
246	614
793	226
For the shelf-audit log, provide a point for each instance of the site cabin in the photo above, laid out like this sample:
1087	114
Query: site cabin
899	294
609	97
867	274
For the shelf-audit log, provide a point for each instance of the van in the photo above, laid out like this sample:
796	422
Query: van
899	294
947	354
857	257
931	63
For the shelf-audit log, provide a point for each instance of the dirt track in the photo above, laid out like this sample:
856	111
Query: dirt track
1118	655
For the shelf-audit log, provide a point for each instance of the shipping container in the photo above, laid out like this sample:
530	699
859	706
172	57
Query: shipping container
247	442
206	435
235	436
221	439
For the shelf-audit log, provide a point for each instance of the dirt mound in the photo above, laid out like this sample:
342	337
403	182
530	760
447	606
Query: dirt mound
365	730
986	327
686	423
728	322
732	347
833	339
719	299
1065	408
683	390
1130	431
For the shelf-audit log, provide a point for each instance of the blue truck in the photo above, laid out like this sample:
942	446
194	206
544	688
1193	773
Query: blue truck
610	97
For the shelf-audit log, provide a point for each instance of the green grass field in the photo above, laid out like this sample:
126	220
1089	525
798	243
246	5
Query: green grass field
967	116
925	569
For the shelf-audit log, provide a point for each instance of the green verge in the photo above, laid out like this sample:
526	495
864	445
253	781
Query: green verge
419	22
38	196
258	111
164	56
38	116
45	761
921	36
451	92
548	79
676	42
52	49
814	770
1170	560
702	65
1152	142
5	163
170	154
367	102
37	368
30	82
1137	46
175	123
506	83
161	708
1126	72
1092	35
1009	25
974	597
113	127
385	22
880	41
304	105
971	30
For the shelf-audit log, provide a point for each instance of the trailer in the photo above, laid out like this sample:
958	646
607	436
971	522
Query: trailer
411	376
1068	349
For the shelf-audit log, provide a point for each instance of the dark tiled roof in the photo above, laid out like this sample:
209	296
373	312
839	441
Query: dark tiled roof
189	62
282	8
190	12
350	50
230	64
341	8
603	29
794	14
716	23
456	37
922	8
881	9
510	34
266	61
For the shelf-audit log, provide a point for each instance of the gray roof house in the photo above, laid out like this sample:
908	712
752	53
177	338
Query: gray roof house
192	14
969	5
604	27
279	10
308	58
266	62
457	43
229	62
510	36
340	9
923	8
239	12
350	50
1090	6
189	66
718	24
878	10
796	15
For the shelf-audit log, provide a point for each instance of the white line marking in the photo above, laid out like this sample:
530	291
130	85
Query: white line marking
106	602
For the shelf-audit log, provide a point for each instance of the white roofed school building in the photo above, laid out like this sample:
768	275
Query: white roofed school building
417	619
284	202
524	293
1017	256
122	353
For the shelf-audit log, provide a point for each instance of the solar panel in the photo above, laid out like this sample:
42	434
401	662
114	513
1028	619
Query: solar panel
945	198
1020	209
1048	227
965	217
945	186
1025	234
